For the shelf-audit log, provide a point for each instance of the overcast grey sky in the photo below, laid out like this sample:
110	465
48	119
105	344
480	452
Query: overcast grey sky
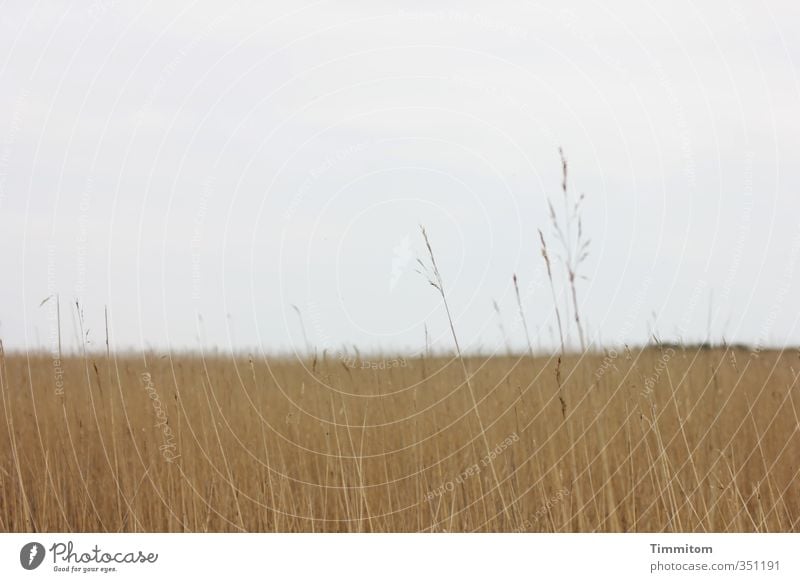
235	159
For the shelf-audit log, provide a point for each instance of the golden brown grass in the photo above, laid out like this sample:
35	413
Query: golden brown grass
662	439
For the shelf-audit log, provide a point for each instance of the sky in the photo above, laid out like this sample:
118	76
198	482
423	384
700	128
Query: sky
253	175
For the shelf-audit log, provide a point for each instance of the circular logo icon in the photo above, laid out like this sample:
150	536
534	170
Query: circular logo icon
31	555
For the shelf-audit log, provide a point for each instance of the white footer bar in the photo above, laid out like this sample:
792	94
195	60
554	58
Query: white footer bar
372	557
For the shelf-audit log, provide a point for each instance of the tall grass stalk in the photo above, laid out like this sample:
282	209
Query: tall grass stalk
573	246
435	279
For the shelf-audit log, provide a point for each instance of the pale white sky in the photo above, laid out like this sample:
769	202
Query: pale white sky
174	159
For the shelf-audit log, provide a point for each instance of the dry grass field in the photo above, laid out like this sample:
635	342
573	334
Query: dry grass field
659	439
